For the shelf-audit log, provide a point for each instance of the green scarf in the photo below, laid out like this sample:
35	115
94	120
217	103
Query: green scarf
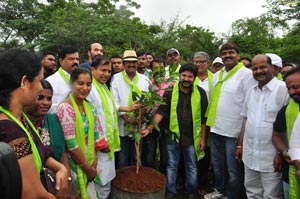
216	93
35	152
88	151
133	88
196	115
279	76
63	75
111	119
291	114
56	135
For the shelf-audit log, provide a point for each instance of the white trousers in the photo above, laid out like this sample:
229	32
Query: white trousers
263	185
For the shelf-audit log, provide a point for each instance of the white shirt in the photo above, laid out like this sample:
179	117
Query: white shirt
105	164
260	108
167	69
61	89
228	116
120	90
204	84
294	150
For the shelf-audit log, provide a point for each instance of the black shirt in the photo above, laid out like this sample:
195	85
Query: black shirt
184	114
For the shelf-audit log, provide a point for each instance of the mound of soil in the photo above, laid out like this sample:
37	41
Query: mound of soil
147	180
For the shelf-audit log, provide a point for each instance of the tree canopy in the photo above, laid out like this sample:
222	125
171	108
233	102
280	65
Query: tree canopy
50	25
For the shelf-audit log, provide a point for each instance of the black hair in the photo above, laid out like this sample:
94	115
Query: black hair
289	64
156	60
78	71
46	85
269	60
291	72
44	54
67	50
14	65
10	174
140	53
189	67
100	59
147	53
229	46
116	56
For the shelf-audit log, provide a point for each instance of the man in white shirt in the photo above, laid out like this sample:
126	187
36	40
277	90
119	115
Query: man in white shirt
294	150
69	61
121	86
263	102
103	100
173	59
230	85
204	80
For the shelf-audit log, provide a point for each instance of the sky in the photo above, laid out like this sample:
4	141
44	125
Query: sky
215	15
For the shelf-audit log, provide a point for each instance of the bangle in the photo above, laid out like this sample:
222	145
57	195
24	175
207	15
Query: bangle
284	151
239	146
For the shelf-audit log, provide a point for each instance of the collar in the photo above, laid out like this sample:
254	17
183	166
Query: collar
271	85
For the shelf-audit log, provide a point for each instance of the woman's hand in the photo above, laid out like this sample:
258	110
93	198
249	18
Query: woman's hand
61	177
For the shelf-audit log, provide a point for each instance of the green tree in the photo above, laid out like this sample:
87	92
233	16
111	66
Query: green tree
254	35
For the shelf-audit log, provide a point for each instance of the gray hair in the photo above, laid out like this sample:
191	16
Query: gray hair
203	54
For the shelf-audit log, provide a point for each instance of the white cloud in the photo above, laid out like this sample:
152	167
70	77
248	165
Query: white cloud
216	15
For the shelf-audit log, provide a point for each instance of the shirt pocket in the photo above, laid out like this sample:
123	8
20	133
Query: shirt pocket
271	112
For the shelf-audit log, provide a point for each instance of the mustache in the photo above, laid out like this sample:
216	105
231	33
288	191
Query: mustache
75	65
294	96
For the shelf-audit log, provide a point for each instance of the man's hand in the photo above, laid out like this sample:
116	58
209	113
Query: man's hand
146	131
202	145
239	152
277	162
287	157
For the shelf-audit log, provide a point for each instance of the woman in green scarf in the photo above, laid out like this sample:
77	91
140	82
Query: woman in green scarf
81	130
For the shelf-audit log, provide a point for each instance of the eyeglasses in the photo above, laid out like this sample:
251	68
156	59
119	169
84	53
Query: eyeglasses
200	62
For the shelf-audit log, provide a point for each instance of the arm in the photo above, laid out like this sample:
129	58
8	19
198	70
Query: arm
61	176
239	143
31	183
157	119
202	143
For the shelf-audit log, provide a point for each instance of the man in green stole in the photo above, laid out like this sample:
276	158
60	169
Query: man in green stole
123	87
282	131
69	60
184	111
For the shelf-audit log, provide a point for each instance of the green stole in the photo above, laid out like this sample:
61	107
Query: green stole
196	115
133	88
35	152
89	151
111	119
291	114
279	76
216	93
63	75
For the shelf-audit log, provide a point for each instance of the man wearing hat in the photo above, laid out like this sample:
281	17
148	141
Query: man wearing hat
173	58
277	63
122	86
217	65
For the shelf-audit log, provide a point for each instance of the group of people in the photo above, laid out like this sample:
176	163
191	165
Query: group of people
241	116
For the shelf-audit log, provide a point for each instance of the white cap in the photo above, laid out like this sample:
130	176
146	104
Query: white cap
276	60
217	60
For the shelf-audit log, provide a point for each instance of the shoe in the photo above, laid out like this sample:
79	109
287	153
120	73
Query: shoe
213	195
170	195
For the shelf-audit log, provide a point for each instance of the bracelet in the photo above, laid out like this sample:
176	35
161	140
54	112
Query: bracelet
239	146
284	151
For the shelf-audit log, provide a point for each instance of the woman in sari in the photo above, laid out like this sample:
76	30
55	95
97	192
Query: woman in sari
20	75
81	130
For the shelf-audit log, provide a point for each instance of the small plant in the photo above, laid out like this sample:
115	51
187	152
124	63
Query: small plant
150	101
